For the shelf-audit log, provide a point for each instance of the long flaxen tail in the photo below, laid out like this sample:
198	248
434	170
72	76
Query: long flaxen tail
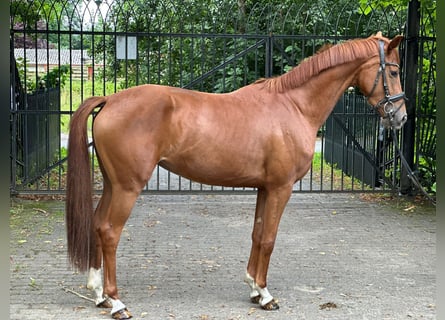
79	203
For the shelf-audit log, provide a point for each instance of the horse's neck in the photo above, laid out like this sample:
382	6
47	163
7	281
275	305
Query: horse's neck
317	97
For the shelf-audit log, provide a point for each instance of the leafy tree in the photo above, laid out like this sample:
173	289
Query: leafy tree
50	16
176	46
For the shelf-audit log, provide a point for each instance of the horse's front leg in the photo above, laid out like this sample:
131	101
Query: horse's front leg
255	250
263	243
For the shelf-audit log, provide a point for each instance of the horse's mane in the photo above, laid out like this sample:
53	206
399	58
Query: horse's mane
326	57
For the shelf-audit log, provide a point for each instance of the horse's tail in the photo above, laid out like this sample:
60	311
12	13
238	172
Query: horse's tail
79	202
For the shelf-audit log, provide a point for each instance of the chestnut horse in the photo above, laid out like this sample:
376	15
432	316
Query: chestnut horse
261	135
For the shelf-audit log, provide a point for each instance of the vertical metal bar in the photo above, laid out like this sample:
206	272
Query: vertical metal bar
115	78
345	144
158	181
104	77
138	72
92	62
14	117
81	64
169	181
322	155
47	117
269	56
411	60
57	117
356	132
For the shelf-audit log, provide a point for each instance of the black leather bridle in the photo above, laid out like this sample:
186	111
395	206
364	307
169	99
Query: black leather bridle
387	103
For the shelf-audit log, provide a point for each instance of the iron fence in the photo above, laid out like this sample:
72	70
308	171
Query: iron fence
111	45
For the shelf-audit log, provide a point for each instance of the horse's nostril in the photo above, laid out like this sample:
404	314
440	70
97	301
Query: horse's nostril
405	117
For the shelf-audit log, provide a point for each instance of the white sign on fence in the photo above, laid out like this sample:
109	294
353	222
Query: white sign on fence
126	47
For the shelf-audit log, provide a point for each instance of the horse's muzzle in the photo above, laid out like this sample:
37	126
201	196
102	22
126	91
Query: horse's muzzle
393	116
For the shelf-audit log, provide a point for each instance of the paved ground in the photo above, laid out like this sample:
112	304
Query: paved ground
184	257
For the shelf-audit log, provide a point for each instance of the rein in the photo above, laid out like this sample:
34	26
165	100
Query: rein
387	103
410	174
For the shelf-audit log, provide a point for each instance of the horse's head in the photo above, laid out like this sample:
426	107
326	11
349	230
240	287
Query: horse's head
379	80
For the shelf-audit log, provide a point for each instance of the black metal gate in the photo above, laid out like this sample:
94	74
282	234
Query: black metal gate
351	143
359	145
110	45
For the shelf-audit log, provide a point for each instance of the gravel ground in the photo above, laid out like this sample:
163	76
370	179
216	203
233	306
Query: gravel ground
337	256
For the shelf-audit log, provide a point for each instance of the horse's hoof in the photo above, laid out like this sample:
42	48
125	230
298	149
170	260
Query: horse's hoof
122	314
255	299
272	305
105	304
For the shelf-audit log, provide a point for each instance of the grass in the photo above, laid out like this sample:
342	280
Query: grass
74	92
333	178
22	213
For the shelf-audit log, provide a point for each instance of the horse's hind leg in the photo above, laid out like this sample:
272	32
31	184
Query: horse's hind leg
110	229
95	273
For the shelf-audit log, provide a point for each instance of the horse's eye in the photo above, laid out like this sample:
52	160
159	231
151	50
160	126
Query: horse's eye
394	73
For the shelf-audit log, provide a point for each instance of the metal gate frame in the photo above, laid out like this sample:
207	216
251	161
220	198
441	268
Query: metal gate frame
274	52
359	145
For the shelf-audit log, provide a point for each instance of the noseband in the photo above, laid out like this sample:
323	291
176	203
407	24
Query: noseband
387	103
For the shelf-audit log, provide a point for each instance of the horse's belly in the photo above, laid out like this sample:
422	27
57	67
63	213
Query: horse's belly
213	172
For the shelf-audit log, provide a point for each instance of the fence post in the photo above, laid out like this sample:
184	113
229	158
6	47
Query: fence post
411	77
15	88
269	56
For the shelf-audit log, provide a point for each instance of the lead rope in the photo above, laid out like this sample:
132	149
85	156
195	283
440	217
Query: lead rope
410	174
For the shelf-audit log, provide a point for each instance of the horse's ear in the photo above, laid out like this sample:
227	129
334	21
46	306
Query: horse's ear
395	43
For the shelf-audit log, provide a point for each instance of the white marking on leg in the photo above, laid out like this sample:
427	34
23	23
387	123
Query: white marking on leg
266	297
95	283
251	282
117	305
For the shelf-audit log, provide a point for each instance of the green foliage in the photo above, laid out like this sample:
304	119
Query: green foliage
72	95
367	5
26	12
54	78
46	15
166	54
